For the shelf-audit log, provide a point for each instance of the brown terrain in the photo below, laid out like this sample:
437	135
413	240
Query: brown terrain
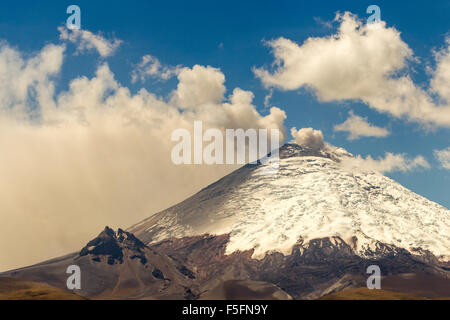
366	294
117	265
132	265
15	289
245	290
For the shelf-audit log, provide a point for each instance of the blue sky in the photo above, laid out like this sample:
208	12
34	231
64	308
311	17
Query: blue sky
229	35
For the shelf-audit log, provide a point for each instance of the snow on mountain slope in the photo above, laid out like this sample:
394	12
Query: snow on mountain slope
312	196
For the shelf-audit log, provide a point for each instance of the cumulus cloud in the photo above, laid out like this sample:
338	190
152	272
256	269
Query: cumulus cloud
199	86
86	40
358	127
97	154
362	62
151	67
308	137
27	81
391	162
443	156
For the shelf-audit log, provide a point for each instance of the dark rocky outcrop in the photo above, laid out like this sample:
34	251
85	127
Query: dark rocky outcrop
110	245
117	265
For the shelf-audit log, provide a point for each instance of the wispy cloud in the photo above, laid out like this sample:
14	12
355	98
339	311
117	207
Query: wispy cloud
320	21
267	98
390	163
150	66
86	40
443	156
358	127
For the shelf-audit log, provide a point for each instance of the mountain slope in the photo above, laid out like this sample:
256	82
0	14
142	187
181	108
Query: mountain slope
116	265
366	294
309	271
312	196
310	230
15	289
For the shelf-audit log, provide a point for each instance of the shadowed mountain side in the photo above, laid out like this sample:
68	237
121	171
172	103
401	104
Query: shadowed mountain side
116	265
312	270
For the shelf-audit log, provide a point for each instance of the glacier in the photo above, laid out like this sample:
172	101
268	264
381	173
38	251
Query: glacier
311	196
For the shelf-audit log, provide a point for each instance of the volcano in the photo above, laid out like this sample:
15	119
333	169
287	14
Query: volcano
311	196
310	229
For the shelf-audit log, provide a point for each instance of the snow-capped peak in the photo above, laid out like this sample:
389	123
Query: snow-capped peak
312	196
290	150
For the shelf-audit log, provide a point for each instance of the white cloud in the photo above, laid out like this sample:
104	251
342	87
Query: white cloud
267	98
443	157
151	67
361	62
199	86
391	162
241	113
27	81
308	137
86	40
77	160
313	139
440	82
358	127
89	156
324	23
